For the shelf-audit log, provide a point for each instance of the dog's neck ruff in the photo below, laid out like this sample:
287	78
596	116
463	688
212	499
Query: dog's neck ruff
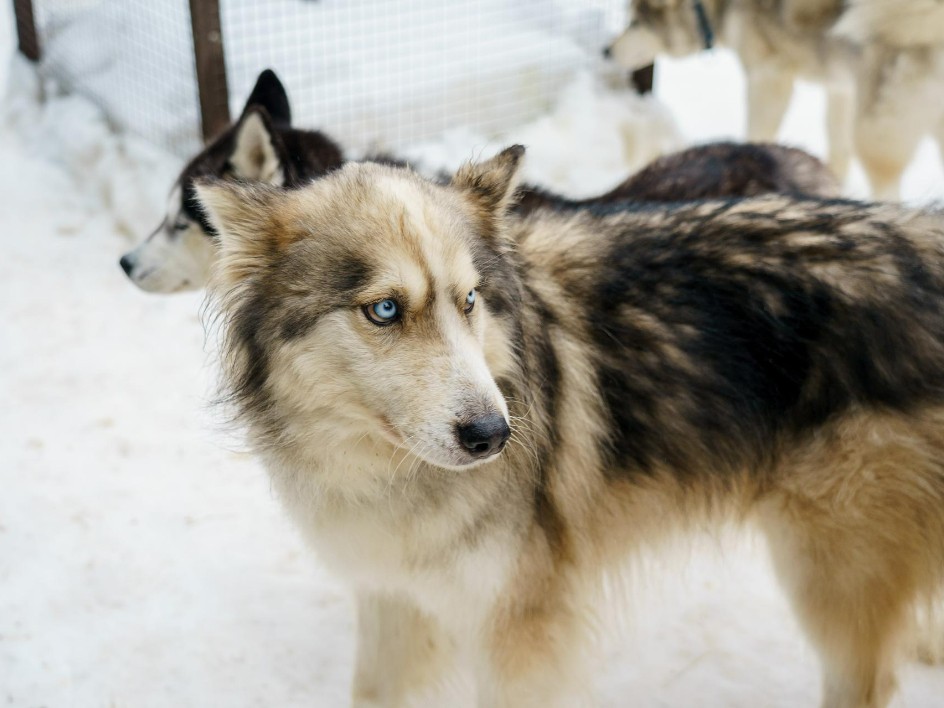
704	24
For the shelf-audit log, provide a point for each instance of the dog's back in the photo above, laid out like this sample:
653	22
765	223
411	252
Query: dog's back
728	169
711	171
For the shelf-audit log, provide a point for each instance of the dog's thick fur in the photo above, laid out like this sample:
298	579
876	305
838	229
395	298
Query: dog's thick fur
661	367
882	64
710	171
263	147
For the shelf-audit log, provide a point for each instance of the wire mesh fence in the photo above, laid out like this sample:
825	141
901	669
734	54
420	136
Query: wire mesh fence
375	73
133	58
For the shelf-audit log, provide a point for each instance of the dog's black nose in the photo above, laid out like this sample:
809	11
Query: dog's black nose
607	52
126	265
484	436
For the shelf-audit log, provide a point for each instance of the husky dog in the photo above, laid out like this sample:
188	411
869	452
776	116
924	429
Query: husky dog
475	416
263	147
882	64
776	40
714	170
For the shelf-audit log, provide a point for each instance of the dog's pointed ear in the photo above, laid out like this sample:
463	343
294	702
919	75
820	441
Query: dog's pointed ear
258	154
269	93
239	215
492	183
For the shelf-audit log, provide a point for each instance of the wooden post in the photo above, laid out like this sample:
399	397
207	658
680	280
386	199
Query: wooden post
642	79
26	29
211	67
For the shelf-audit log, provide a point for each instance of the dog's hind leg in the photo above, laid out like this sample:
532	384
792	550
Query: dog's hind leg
856	531
400	652
768	93
884	150
899	102
852	614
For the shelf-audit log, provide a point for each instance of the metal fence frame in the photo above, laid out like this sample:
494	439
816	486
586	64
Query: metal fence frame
27	41
209	56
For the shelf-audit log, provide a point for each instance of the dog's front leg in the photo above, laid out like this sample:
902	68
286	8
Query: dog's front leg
400	652
535	656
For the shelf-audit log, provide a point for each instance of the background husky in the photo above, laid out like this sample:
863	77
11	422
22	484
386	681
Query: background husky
472	416
900	82
263	147
709	171
883	76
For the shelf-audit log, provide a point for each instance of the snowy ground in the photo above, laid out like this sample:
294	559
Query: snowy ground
143	559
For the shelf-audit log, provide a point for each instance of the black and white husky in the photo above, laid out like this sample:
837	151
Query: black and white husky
261	146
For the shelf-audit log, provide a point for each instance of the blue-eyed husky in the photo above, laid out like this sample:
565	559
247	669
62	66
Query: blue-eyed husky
262	146
473	416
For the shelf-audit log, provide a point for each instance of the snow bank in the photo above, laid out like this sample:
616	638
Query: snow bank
114	174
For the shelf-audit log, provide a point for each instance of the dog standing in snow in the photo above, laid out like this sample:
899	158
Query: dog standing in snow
474	416
881	62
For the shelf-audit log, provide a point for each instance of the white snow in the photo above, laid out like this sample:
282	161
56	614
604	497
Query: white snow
143	559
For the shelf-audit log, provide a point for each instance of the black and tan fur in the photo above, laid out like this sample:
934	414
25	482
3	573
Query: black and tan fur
662	367
262	146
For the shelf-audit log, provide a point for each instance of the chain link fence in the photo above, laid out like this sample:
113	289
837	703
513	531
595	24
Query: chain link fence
374	73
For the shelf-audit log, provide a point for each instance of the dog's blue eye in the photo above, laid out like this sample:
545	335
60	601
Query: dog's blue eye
470	300
383	312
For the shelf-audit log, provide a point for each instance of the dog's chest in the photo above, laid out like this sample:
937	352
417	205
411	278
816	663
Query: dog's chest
394	545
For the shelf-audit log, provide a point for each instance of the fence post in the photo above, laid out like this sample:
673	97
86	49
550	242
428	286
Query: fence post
28	43
211	66
642	79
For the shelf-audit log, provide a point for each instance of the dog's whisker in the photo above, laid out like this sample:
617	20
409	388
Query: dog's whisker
406	454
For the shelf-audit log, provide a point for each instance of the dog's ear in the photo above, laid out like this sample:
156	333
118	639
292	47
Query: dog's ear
258	154
241	215
491	183
269	93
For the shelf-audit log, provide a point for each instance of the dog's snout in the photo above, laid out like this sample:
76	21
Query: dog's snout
484	436
607	52
126	264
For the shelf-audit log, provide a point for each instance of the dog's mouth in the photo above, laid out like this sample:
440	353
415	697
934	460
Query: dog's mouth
150	281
